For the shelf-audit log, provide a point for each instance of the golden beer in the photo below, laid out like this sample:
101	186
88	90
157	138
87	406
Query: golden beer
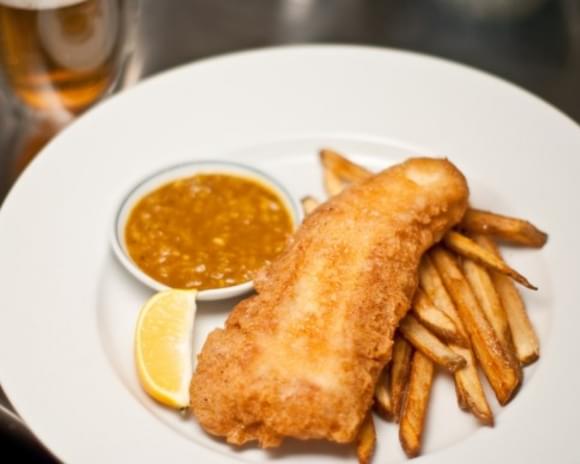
60	54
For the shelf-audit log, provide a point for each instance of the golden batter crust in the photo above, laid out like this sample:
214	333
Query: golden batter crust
301	358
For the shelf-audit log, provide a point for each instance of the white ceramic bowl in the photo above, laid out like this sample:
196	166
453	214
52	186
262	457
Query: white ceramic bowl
166	175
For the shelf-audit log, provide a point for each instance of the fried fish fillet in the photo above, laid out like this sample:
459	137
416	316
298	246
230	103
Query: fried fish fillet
301	358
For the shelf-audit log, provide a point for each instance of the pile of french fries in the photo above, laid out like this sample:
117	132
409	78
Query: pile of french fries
467	315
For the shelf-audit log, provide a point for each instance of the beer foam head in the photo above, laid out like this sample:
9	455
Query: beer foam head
39	4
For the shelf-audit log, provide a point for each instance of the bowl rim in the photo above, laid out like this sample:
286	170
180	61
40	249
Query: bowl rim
134	194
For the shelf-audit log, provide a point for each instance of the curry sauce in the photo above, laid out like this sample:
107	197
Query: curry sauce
207	231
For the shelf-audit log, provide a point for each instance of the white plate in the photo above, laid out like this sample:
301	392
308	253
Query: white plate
68	308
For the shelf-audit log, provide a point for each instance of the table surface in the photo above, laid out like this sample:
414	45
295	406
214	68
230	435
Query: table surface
540	52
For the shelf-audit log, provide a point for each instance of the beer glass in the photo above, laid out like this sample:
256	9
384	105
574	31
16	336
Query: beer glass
58	57
63	54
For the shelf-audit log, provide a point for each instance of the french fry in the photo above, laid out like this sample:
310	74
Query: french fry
432	285
467	248
488	298
506	228
366	440
383	399
436	320
400	370
459	390
503	376
342	167
309	204
429	344
416	402
525	339
332	184
470	394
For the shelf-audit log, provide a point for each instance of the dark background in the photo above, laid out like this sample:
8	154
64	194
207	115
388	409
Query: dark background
538	50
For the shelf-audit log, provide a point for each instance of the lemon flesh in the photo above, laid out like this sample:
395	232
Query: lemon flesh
164	346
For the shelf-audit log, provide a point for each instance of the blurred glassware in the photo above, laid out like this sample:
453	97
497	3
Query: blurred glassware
59	57
495	9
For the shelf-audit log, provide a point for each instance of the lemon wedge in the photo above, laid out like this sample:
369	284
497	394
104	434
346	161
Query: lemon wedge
164	346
